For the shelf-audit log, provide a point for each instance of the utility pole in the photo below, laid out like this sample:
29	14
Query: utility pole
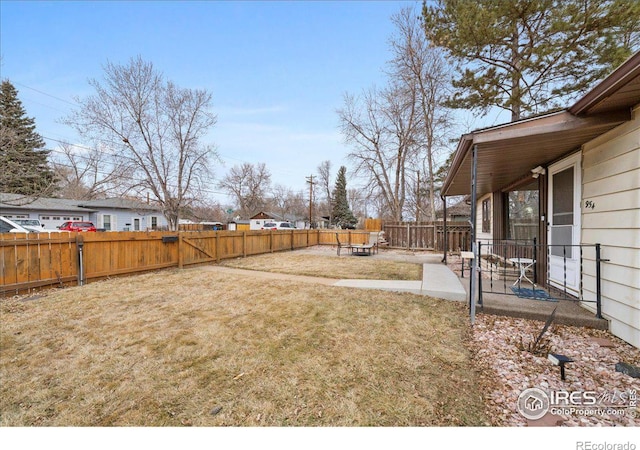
311	183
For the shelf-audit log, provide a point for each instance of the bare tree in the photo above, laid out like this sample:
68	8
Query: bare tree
206	211
396	133
249	184
283	200
86	174
420	64
357	202
381	127
299	204
156	124
324	181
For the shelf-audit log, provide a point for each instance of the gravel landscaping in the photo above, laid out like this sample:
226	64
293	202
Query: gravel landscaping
507	371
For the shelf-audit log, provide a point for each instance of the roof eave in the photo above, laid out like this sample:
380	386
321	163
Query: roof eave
617	79
464	145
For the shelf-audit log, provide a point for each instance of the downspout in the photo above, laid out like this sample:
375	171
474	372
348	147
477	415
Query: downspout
474	212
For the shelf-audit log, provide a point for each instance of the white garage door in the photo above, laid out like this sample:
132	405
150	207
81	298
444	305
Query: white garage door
53	221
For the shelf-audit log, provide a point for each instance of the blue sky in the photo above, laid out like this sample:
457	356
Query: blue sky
277	70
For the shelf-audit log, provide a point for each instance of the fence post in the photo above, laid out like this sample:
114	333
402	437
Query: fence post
80	245
479	266
598	283
408	237
217	241
535	263
180	250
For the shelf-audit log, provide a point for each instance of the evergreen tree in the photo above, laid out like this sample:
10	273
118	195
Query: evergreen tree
342	215
23	158
526	56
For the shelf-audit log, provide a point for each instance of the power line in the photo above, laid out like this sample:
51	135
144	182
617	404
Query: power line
136	180
44	93
109	143
224	158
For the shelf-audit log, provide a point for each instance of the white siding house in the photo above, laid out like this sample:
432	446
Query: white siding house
584	163
611	216
113	214
116	214
51	212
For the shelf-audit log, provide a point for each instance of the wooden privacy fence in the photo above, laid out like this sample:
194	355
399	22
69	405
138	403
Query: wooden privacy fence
328	237
428	236
30	261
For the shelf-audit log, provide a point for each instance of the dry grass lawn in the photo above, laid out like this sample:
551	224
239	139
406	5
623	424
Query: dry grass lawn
354	267
192	347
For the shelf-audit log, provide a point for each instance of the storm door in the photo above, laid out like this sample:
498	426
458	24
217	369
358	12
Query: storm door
564	223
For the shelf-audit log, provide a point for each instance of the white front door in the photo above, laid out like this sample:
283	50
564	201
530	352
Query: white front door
564	223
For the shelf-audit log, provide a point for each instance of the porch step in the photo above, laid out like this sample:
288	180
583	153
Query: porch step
569	312
566	314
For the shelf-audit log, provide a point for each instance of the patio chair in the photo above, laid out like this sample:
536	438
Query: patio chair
347	246
373	241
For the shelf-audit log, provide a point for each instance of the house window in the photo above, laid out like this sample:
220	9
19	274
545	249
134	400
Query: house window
486	216
154	223
106	222
522	214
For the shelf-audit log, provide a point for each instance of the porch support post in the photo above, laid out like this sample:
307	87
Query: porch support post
474	212
445	238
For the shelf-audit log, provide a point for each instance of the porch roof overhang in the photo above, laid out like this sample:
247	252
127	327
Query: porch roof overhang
507	153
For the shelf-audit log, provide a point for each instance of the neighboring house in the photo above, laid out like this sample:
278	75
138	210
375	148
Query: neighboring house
570	179
239	225
114	214
118	214
458	212
51	212
258	220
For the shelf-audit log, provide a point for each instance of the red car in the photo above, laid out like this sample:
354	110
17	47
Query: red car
77	226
